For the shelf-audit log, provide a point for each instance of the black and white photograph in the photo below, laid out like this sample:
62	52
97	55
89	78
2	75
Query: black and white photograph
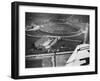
50	40
54	40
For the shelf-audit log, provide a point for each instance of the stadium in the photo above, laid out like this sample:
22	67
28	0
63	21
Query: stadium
52	38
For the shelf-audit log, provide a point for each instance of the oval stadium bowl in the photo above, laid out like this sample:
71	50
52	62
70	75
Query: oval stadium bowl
60	28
